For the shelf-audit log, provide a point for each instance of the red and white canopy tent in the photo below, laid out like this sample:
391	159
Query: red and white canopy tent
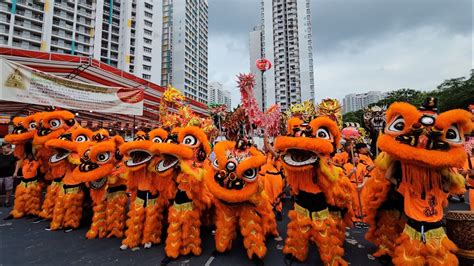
91	71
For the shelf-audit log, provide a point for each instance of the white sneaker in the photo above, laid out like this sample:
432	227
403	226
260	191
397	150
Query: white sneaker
147	245
123	247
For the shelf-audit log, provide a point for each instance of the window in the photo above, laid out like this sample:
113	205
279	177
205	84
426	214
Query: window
146	58
148	23
146	49
147	41
145	67
149	6
148	32
146	76
148	14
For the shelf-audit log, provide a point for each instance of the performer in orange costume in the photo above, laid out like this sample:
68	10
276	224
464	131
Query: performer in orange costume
316	184
102	171
28	192
233	178
68	201
24	130
50	126
192	197
149	196
419	150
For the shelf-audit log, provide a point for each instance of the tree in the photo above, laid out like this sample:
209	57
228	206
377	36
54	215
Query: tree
357	117
403	95
455	93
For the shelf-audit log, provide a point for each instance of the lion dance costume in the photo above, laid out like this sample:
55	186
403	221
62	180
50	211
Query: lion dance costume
149	199
192	198
50	126
103	173
419	150
28	192
317	185
233	179
68	201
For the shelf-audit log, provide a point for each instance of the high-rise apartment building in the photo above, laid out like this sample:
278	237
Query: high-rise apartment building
287	43
353	102
185	47
256	52
121	33
219	95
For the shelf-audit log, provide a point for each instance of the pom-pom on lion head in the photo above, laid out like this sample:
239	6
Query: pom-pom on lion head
232	172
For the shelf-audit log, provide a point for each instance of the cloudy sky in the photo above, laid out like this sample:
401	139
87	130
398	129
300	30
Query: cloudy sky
359	45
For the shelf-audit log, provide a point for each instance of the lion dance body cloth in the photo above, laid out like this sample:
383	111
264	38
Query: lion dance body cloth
233	178
419	150
317	186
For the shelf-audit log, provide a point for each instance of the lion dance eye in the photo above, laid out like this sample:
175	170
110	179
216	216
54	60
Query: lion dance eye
250	175
453	135
190	140
323	133
398	125
54	123
157	140
103	157
32	125
81	138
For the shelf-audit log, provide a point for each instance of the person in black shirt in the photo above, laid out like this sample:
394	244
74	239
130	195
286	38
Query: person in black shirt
8	169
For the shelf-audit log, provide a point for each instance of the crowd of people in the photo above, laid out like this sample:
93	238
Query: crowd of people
174	179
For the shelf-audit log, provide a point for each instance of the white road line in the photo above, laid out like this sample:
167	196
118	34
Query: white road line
209	261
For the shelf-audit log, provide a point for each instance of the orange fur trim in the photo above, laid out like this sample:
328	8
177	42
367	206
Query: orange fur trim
462	118
316	145
158	132
116	214
454	157
252	233
183	232
67	210
172	149
98	227
27	200
292	123
135	224
50	200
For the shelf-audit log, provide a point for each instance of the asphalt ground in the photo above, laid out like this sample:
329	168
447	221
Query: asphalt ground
24	243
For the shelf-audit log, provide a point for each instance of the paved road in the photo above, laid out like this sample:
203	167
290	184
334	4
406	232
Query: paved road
22	242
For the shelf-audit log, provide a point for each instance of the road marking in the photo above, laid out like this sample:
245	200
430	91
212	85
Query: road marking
209	261
6	224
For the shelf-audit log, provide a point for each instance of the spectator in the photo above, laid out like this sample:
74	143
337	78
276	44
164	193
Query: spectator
8	170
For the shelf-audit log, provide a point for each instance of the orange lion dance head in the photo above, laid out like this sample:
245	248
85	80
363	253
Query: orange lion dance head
232	173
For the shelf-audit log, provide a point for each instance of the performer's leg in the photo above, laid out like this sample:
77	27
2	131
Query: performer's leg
135	222
98	225
153	224
191	236
173	240
73	215
50	200
226	222
390	225
19	204
325	233
116	215
298	232
440	250
59	212
34	202
252	232
408	251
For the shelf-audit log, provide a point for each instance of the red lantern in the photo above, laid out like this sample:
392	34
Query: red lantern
263	64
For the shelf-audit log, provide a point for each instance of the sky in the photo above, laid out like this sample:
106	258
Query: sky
359	45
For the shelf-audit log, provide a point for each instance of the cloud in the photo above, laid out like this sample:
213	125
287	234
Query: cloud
419	58
359	45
